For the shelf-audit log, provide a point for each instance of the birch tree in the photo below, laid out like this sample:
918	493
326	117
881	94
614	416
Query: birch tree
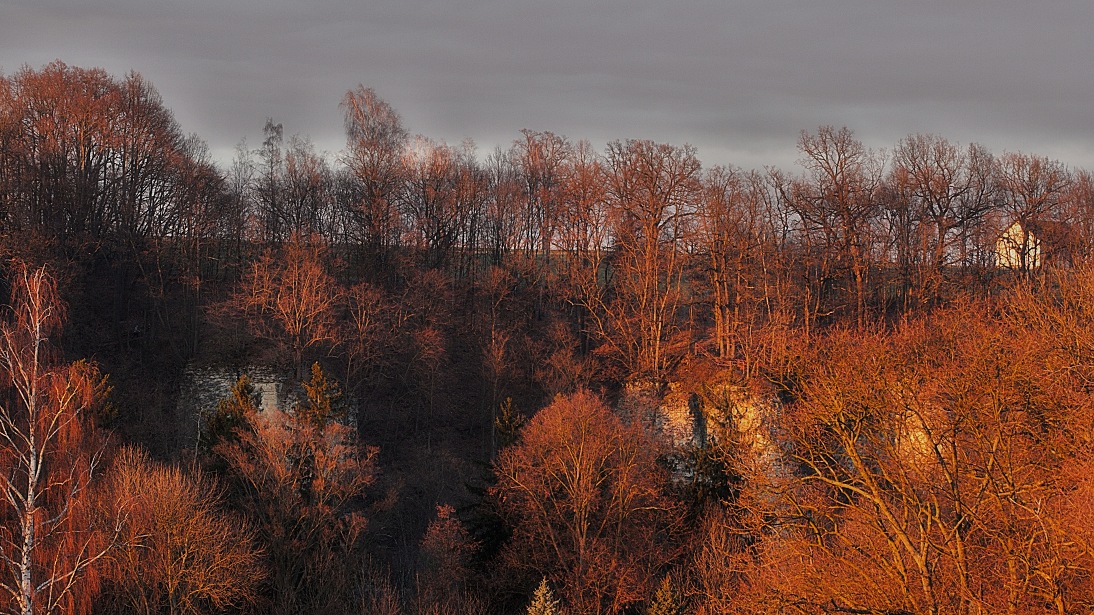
47	542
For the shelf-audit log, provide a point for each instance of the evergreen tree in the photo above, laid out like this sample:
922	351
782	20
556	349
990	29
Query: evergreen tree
543	601
220	424
507	424
664	601
325	402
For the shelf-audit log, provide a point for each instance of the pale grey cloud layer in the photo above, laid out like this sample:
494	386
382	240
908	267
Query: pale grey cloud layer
739	80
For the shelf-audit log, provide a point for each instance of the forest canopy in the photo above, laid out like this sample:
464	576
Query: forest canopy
545	378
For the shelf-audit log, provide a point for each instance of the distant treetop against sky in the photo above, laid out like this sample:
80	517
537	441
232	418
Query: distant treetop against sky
738	80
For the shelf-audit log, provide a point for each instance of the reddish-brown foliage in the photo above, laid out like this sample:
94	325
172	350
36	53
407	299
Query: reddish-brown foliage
180	551
585	498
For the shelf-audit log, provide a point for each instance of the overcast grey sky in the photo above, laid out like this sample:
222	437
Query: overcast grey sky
739	80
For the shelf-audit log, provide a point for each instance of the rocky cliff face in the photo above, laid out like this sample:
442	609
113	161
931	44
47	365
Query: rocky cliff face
684	420
716	407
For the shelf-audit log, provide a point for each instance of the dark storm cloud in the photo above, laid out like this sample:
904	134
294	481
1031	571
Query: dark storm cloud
737	79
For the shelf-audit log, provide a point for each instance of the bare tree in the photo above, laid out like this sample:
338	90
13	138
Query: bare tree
1079	214
1033	189
300	477
930	178
836	204
88	156
376	141
181	553
46	544
290	299
308	192
734	239
501	231
585	236
652	191
540	157
584	495
926	471
443	202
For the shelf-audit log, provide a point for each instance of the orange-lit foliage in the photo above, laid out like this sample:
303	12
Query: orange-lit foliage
584	496
444	566
652	191
290	298
48	457
299	480
936	469
94	156
938	465
180	552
